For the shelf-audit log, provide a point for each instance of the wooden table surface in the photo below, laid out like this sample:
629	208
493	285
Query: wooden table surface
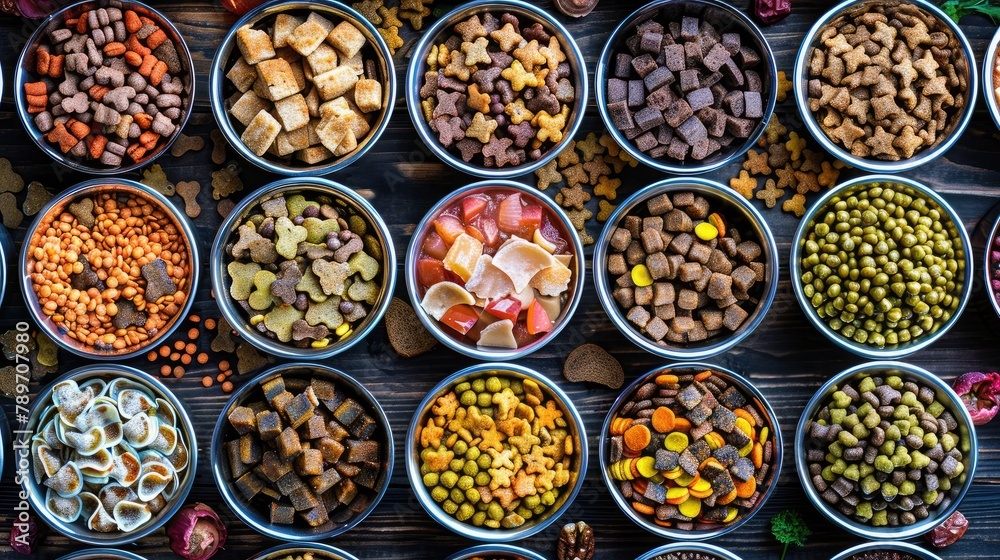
785	357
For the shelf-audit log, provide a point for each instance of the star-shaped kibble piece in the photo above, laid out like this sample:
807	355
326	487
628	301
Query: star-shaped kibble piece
907	72
447	103
854	58
609	143
786	177
475	52
491	439
431	434
546	415
390	34
517	112
596	168
795	205
481	128
524	442
881	144
497	147
604	210
524	484
828	176
926	65
553	53
756	163
518	76
607	187
549	127
573	197
369	9
477	100
456	67
837	45
795	145
806	182
908	142
859	109
390	16
847	133
784	86
471	29
937	85
811	161
536	462
568	155
589	147
449	129
579	218
548	174
915	33
529	56
770	194
445	406
744	184
885	34
506	402
576	175
507	37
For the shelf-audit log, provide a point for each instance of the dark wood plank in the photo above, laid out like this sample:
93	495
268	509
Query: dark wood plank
785	357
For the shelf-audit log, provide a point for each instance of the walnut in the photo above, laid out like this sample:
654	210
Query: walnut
576	542
576	8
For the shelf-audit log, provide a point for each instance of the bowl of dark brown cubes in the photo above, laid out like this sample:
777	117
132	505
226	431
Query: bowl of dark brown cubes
686	87
497	88
690	452
886	85
886	550
303	452
303	268
885	450
686	268
104	86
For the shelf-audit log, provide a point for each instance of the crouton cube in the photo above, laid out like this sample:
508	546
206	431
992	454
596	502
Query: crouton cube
247	107
261	132
336	82
312	102
292	112
346	38
368	95
242	75
284	25
300	75
278	78
306	37
255	45
347	145
332	131
355	62
313	155
288	143
323	59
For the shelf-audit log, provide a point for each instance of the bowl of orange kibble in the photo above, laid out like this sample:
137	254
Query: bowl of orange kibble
690	451
108	269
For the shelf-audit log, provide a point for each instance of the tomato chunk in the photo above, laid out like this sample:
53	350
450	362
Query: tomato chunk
509	214
473	205
449	228
430	271
434	246
505	308
538	320
531	218
461	318
487	227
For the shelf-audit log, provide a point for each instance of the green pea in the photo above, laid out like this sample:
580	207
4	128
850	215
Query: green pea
485	399
495	512
456	495
439	494
468	398
493	384
479	518
462	387
449	479
483	478
449	507
431	479
460	447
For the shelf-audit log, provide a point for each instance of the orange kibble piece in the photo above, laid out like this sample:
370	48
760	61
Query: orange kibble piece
152	355
210	323
190	349
194	319
663	420
682	425
224	365
742	413
179	345
745	489
178	372
175	356
642	508
185	359
757	455
666	379
203	358
193	333
220	378
164	351
206	381
164	370
703	375
227	387
637	437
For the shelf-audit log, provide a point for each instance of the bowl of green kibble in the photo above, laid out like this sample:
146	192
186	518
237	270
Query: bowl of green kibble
881	266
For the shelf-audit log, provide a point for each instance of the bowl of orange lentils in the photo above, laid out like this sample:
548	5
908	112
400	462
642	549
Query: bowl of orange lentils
690	451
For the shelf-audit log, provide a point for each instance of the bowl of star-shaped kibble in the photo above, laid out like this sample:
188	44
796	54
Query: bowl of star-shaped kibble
303	88
496	452
496	88
886	85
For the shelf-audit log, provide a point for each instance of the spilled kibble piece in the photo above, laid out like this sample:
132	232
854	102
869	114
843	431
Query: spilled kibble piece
407	335
591	363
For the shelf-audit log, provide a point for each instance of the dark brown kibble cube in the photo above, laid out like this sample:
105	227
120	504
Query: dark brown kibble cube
742	469
673	57
636	93
315	428
646	142
639	316
719	262
711	318
734	317
366	479
269	493
309	462
720	286
363	427
732	43
758	269
716	57
754	105
623	65
250	449
677	149
692	130
316	516
648	118
242	418
697	332
273	468
659	205
699	99
664	134
288	444
651	241
677	221
665	312
330	448
621	116
681	323
616	264
693	53
658	78
625	297
359	451
620	239
688	80
299	410
617	91
634	254
249	485
688	462
348	412
625	281
714	120
748	251
728	246
724	419
689	272
282	514
660	100
698	209
743	278
701	149
346	491
656	328
237	467
681	243
650	42
740	128
663	293
324	481
734	103
678	112
643	295
289	483
633	224
281	401
748	57
269	425
303	499
272	388
687	299
699	252
658	265
643	65
323	389
690	28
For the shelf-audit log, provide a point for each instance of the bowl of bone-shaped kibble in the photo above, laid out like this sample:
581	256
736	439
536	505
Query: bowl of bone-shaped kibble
303	88
886	85
302	452
686	268
686	87
104	86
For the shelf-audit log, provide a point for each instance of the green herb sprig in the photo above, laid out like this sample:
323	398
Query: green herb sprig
956	9
788	527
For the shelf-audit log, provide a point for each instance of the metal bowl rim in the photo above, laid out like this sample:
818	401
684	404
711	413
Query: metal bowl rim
795	268
883	533
240	507
722	553
989	60
913	549
100	554
473	551
271	553
719	192
410	272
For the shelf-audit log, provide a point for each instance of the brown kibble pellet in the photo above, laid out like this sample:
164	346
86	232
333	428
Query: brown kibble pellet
164	351
203	358
152	356
194	319
190	349
178	372
206	381
210	323
179	345
186	359
220	378
164	370
224	365
227	387
193	333
175	356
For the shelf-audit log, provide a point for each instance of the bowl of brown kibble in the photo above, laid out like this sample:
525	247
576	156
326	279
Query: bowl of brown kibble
688	551
496	552
497	88
886	85
105	86
991	79
109	268
686	268
303	88
312	551
889	550
686	87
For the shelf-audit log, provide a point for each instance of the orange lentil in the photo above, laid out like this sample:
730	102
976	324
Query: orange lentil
220	378
206	381
194	319
210	323
193	333
179	345
185	359
227	387
164	351
174	356
152	356
224	365
203	358
164	370
178	371
190	349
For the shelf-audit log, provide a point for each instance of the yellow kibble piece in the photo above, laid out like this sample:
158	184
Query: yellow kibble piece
646	466
706	231
690	507
323	343
342	329
641	276
676	441
256	319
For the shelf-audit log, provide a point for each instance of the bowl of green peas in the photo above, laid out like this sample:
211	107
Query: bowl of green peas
881	266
